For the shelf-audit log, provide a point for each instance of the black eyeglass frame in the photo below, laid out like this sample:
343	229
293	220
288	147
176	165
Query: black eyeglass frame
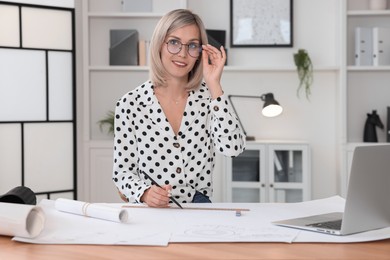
181	46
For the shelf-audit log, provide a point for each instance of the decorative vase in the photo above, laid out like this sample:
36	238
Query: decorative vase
372	122
378	4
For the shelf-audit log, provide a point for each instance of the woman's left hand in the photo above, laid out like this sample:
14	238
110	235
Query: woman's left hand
212	71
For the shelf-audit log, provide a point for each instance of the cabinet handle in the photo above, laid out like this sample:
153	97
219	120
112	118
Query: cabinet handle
262	185
271	185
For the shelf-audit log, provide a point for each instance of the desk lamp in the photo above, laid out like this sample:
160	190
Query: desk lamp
271	108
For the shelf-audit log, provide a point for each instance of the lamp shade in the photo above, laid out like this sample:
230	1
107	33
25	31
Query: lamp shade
271	107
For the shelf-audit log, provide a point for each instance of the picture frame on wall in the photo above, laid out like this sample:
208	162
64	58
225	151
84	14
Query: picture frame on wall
261	23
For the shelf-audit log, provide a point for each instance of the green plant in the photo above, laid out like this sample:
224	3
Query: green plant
108	120
305	71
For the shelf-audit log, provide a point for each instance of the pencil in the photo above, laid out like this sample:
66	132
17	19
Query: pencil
155	183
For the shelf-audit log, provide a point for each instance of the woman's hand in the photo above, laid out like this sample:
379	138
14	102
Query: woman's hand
157	197
212	71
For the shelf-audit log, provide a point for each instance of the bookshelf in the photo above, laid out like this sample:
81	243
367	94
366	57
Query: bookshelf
105	84
365	88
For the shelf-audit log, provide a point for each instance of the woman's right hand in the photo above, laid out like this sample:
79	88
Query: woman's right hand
157	197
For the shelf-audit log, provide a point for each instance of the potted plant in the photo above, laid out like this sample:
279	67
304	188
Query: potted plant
108	120
305	71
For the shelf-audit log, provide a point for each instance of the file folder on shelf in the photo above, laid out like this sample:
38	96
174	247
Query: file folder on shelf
123	47
363	46
388	124
381	46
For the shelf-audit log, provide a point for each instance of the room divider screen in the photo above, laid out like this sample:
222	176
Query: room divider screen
38	98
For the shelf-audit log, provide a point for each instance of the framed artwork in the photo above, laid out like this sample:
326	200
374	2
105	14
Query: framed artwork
261	23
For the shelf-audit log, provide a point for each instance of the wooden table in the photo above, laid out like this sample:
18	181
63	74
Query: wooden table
369	250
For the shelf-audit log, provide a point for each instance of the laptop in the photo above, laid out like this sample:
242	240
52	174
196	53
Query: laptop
367	205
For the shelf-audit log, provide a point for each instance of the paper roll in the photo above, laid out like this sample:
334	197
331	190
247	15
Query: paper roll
91	210
21	220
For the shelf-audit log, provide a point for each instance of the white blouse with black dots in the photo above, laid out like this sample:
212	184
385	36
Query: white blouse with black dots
145	141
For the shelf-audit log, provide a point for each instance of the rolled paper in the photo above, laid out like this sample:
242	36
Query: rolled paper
21	220
91	210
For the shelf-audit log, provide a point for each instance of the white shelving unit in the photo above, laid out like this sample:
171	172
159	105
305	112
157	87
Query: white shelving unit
269	171
105	84
366	88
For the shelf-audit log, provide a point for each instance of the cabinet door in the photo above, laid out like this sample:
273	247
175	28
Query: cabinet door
102	187
246	176
288	173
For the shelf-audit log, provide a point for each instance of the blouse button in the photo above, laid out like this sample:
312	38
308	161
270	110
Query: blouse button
216	108
176	145
178	170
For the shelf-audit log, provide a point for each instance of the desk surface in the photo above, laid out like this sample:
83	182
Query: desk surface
369	250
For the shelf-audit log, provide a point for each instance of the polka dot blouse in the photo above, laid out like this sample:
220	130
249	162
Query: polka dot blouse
145	141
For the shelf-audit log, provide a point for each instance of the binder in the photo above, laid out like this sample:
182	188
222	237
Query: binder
142	53
147	50
363	46
388	124
381	46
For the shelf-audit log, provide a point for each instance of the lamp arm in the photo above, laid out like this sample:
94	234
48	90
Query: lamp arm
234	109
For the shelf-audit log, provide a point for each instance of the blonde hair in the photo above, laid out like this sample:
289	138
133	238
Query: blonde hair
170	22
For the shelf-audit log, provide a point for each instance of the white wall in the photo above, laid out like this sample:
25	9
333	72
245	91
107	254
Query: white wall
316	29
316	25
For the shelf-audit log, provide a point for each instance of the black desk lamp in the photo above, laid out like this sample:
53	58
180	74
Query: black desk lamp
271	108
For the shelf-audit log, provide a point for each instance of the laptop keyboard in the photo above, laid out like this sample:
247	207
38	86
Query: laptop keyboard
335	224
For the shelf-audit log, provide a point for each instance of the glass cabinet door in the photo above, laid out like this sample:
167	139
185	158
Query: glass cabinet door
246	195
287	165
269	173
248	176
246	166
288	173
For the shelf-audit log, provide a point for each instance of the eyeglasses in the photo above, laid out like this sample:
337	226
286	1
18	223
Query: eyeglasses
174	47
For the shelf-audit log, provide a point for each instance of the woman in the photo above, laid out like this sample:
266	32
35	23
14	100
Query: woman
170	126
